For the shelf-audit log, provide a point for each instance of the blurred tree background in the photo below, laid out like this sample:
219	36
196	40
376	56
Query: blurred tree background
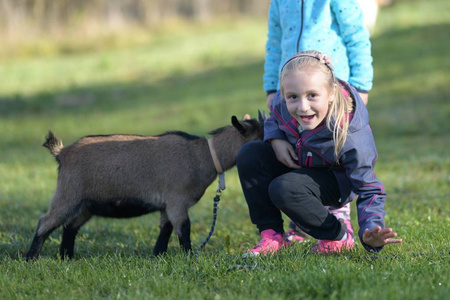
31	18
49	27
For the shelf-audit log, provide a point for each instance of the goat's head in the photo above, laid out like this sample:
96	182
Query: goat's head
251	129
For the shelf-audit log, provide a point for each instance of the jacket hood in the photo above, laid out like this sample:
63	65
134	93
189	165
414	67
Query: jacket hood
360	114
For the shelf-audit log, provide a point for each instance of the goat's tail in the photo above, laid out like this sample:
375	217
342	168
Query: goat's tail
53	144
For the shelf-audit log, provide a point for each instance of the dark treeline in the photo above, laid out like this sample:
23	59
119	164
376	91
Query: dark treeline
37	16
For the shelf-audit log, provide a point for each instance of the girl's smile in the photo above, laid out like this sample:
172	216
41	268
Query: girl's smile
306	118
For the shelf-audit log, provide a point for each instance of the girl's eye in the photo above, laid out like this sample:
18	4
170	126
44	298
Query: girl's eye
312	96
291	97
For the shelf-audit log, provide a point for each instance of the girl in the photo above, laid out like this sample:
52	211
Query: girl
318	150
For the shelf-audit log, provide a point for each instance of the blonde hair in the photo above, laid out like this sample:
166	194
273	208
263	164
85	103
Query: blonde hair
337	119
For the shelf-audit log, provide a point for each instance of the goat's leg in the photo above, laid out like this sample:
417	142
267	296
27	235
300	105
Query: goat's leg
185	235
44	229
178	216
165	230
70	231
46	225
57	214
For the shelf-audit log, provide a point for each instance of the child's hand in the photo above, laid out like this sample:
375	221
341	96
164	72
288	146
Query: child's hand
270	100
285	153
379	237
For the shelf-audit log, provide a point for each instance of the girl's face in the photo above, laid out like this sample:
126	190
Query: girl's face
307	97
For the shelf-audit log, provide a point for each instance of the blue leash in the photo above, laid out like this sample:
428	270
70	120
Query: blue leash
216	203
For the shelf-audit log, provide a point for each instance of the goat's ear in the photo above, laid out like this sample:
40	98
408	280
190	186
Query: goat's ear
237	125
261	116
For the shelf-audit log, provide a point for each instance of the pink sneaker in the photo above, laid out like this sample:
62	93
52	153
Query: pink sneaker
295	234
292	236
331	246
348	227
270	243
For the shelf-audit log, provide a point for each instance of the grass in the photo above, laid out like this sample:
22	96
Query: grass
195	80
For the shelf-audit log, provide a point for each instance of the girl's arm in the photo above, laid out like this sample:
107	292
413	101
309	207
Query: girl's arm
357	40
273	49
358	158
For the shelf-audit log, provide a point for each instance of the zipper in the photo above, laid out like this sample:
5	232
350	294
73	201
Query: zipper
309	156
301	26
308	160
299	151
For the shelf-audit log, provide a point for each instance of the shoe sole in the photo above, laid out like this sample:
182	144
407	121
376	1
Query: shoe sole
250	254
294	240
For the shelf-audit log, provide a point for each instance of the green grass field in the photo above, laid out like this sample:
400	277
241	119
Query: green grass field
194	79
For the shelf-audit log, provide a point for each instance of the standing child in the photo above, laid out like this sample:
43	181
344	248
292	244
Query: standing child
318	150
335	27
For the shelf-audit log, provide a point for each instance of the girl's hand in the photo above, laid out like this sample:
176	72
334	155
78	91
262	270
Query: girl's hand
270	100
379	237
285	153
364	97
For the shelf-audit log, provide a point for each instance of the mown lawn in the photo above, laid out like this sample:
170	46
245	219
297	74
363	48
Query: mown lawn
195	79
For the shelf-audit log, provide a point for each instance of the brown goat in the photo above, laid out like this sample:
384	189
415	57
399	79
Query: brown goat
123	176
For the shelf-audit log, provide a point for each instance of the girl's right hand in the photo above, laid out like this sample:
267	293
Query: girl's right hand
285	153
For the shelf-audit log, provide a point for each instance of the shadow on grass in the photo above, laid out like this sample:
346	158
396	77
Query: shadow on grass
415	49
410	95
410	66
100	237
216	84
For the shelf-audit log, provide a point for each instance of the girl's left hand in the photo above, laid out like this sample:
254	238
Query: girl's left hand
379	237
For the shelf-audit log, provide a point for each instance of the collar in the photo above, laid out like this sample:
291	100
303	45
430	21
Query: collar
217	165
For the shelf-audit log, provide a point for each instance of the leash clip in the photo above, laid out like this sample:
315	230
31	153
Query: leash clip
221	182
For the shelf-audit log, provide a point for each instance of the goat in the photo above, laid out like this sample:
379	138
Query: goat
123	176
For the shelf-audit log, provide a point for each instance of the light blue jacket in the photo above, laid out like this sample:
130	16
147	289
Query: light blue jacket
333	27
354	173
